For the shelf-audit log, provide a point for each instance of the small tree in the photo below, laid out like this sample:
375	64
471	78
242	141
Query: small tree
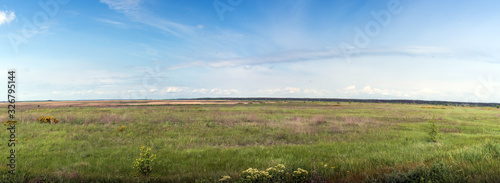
433	133
144	164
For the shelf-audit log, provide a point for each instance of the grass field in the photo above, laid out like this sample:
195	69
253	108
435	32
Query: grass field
334	142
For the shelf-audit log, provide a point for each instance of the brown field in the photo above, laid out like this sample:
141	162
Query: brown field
23	106
111	103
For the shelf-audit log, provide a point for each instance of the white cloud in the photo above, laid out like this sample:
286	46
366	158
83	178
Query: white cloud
367	89
189	91
186	90
314	91
376	92
292	90
352	87
202	91
372	91
225	92
270	91
6	17
171	90
124	6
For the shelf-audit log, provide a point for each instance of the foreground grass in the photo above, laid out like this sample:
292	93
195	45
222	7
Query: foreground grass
336	142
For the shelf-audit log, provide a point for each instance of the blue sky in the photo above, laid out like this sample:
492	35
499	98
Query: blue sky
155	49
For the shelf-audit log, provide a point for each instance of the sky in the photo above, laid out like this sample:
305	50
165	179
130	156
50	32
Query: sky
167	49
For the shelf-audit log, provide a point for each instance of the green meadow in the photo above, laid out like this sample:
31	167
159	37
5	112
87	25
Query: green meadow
333	142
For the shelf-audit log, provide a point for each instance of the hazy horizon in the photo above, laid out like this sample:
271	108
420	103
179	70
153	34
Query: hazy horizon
152	49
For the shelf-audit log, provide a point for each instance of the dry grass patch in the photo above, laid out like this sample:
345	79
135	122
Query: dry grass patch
108	118
295	124
318	120
251	118
68	175
335	129
449	130
351	124
360	121
433	107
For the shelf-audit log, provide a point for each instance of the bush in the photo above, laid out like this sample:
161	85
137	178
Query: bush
254	175
436	172
48	119
278	173
144	164
433	133
300	175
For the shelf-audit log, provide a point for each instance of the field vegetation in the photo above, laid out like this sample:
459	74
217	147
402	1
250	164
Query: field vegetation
331	141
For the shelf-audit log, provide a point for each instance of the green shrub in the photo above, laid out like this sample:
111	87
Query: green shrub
254	175
144	164
433	133
436	172
300	175
278	173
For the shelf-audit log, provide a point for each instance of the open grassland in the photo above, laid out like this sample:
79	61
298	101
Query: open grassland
344	142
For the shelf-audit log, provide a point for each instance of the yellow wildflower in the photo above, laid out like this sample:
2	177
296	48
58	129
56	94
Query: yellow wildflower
225	178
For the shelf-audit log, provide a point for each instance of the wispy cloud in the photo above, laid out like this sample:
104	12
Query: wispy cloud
124	6
6	17
174	28
218	91
109	21
311	55
198	91
371	91
133	10
368	91
292	90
